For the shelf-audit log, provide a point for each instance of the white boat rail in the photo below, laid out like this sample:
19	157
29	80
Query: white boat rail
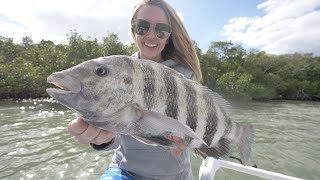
210	165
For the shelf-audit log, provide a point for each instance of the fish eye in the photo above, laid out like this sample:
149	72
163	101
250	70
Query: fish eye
101	71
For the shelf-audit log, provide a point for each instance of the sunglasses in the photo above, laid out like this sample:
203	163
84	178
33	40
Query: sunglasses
141	27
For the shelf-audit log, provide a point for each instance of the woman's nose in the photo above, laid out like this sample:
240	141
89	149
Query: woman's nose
151	33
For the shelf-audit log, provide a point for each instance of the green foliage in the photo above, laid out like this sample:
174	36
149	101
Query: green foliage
131	49
112	46
234	85
80	50
235	73
22	79
8	50
261	92
211	69
25	67
226	67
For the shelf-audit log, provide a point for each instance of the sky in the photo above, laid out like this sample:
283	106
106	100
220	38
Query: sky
274	26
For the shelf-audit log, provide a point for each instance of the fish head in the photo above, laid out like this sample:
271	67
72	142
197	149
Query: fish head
95	89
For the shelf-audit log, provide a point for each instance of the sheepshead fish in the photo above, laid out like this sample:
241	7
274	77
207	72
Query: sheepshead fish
150	102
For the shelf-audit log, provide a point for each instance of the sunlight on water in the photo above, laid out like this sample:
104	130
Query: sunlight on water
35	143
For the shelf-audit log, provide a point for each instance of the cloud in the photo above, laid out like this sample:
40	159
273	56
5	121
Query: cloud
288	26
53	19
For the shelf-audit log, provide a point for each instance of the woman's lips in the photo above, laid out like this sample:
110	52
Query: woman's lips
150	45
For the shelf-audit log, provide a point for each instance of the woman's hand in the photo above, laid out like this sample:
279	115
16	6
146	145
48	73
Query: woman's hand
85	133
180	148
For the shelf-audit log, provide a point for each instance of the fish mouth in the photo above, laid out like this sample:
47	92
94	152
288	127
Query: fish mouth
63	86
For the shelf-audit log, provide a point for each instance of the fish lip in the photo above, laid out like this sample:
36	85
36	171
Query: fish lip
63	86
57	91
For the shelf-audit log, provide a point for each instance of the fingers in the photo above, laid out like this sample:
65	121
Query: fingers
88	135
177	151
180	148
77	126
85	133
103	137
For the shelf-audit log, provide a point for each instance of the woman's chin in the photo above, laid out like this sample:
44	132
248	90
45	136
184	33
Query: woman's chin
150	55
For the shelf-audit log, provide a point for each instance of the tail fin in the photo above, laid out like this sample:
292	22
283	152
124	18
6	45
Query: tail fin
243	142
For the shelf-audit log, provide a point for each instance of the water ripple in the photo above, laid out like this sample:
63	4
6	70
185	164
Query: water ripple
36	145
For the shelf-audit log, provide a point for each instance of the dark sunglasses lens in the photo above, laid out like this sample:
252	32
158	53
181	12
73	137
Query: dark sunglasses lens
163	30
141	27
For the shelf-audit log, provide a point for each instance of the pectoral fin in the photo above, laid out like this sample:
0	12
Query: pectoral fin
159	125
146	126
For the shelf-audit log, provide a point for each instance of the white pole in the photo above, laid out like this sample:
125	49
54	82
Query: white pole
208	168
210	165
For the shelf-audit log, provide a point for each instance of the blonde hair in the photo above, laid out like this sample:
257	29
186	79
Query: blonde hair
180	47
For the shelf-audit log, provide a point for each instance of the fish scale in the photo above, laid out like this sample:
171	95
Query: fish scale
149	101
192	109
173	108
148	86
172	96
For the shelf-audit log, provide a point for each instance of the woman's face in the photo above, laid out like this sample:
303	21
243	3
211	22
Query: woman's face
151	46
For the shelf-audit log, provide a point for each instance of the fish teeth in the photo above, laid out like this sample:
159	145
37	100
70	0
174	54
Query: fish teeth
60	86
58	91
57	84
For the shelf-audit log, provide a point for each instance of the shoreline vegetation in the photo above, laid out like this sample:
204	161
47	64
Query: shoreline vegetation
227	68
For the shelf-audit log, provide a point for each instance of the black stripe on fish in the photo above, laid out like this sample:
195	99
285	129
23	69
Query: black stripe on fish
212	120
187	140
128	61
228	126
192	110
237	129
171	96
148	85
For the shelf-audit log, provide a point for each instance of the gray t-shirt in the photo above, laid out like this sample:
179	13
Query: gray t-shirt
151	162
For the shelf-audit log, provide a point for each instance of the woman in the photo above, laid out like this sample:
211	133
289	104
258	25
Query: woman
160	37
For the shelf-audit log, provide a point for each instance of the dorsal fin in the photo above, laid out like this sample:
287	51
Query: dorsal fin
217	98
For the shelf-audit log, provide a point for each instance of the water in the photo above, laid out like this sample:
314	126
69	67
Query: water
34	142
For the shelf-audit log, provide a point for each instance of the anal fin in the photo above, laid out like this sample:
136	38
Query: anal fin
155	140
145	141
